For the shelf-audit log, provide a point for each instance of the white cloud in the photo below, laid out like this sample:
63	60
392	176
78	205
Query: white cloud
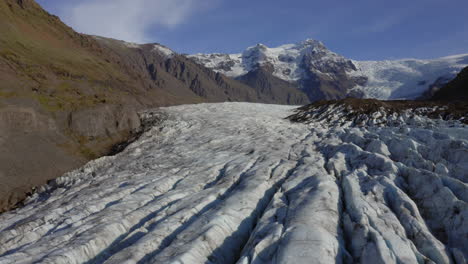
129	20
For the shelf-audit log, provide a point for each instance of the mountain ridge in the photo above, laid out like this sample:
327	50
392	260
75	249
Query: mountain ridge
455	90
314	68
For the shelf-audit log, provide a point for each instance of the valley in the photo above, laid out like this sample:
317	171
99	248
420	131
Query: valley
241	183
123	152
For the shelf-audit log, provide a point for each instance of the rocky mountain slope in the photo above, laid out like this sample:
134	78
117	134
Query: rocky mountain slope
456	90
66	98
240	183
321	74
165	69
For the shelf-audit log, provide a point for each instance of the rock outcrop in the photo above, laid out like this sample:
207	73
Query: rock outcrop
456	90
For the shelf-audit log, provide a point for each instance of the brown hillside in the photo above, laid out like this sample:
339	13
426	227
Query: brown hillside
455	90
66	98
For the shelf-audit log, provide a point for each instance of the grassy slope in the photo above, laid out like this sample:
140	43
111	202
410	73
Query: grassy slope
64	98
54	64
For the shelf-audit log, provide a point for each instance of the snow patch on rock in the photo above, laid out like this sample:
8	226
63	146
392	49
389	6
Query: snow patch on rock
131	45
166	52
286	60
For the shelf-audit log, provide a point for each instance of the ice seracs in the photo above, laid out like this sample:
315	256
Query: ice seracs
240	183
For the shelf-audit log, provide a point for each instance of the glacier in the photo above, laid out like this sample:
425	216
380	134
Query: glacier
241	183
406	78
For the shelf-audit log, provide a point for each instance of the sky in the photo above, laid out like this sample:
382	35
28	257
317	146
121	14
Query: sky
357	29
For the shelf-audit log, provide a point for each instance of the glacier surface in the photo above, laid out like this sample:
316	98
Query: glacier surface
240	183
406	78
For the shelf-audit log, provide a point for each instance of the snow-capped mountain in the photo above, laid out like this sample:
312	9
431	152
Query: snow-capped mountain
240	183
287	60
311	66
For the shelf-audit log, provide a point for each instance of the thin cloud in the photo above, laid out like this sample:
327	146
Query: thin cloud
127	20
383	22
380	25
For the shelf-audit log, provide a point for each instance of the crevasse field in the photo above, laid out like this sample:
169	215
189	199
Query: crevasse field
239	183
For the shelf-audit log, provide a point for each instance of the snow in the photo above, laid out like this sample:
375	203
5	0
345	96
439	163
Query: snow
131	45
408	78
389	79
166	52
216	60
286	59
239	183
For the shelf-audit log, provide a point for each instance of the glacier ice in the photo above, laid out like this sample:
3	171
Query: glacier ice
239	183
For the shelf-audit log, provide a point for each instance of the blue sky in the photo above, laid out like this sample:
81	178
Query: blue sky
358	29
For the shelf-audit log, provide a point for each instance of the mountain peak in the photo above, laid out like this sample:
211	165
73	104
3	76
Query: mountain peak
285	59
305	60
311	42
261	46
301	45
